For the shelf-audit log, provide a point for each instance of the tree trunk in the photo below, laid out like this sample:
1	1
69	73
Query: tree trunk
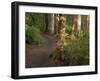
58	54
51	23
76	29
56	24
79	25
61	32
88	22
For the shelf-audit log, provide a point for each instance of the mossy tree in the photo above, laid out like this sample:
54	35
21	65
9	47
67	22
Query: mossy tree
58	54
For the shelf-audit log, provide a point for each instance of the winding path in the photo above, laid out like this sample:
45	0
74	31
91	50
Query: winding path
39	56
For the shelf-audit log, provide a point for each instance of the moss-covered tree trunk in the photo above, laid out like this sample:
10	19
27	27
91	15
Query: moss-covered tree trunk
58	55
61	33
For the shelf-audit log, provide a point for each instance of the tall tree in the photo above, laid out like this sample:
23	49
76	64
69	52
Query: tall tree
56	23
61	32
88	19
58	55
76	25
51	23
79	24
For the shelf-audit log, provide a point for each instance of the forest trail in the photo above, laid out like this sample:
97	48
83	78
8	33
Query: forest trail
39	56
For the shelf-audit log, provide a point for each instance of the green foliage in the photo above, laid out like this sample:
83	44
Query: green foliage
69	30
69	20
33	35
35	26
37	20
69	24
84	23
77	51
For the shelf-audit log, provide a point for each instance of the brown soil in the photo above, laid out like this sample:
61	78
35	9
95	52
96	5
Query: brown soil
40	56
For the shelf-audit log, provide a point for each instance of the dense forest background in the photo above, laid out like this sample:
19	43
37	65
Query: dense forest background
70	33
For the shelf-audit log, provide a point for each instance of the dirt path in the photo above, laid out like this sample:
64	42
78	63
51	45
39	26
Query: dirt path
39	56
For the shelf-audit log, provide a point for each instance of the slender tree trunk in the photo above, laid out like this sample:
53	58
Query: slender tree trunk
51	23
79	25
56	24
76	25
88	20
74	28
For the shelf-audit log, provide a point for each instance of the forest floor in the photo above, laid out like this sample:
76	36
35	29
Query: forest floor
40	56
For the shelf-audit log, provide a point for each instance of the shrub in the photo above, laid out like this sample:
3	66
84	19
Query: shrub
69	30
77	51
33	35
37	20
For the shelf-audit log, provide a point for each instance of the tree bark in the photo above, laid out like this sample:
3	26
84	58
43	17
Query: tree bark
58	54
51	23
61	37
56	24
79	25
76	29
88	22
